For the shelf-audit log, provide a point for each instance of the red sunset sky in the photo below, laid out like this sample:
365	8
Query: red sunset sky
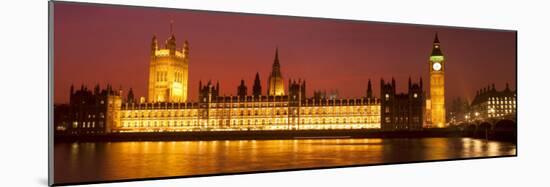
110	44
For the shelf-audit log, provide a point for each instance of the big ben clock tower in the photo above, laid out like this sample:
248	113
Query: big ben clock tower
437	85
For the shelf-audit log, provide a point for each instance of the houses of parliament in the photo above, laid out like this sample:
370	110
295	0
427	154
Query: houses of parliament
280	105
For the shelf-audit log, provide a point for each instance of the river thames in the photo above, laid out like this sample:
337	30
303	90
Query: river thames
103	161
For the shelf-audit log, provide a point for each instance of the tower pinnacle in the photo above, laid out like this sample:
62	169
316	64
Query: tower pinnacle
276	56
275	82
436	50
369	90
257	88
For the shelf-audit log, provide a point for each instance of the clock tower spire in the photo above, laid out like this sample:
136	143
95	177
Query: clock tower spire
437	85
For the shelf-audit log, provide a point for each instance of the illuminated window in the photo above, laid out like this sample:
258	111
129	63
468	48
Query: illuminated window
387	97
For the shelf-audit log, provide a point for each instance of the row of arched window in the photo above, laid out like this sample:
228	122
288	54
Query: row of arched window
256	112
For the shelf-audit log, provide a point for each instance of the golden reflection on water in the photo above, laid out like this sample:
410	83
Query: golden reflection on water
83	162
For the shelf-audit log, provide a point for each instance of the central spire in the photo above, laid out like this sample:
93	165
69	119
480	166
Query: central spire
276	70
275	82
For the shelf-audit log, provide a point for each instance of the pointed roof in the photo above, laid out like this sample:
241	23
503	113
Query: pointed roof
276	71
257	78
257	87
369	86
436	50
369	90
276	61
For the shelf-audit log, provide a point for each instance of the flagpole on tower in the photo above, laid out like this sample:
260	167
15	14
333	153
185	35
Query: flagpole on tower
171	26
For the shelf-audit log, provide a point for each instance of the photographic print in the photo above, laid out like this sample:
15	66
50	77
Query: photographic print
154	93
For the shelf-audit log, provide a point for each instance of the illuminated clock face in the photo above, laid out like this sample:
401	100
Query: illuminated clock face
437	66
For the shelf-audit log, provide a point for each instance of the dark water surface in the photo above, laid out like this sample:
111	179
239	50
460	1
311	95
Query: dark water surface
87	162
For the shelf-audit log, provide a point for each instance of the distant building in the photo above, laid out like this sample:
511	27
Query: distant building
490	103
332	94
61	117
403	111
88	111
458	110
